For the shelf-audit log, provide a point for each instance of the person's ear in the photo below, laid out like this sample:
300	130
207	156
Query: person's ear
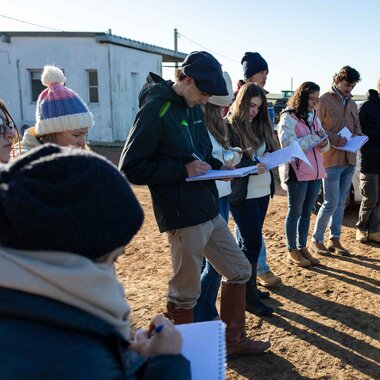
189	81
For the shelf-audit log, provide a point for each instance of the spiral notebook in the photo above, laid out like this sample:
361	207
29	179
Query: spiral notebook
204	345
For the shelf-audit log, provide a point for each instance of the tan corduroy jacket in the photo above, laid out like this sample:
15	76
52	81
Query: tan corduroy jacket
334	117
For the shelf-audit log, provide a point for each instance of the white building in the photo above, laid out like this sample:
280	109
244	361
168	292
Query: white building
107	71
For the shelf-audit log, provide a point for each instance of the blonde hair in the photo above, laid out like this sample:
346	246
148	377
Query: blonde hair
216	125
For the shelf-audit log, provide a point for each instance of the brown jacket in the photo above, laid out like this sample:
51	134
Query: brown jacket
335	116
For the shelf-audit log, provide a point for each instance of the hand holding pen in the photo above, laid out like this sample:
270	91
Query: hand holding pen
197	166
161	338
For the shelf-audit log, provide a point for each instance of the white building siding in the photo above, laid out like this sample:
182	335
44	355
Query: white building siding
129	69
121	70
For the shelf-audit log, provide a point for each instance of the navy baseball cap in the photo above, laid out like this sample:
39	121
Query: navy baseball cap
206	72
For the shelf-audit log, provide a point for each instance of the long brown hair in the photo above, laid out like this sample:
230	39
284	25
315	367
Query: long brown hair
299	101
216	125
257	132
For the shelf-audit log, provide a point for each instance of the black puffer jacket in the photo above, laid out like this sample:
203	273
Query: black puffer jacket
369	115
165	134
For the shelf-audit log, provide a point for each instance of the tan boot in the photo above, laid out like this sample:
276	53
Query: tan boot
307	255
361	236
295	257
178	316
232	313
374	236
334	245
268	279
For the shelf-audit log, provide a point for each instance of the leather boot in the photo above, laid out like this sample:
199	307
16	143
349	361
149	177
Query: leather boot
334	245
253	304
295	257
232	313
307	255
178	316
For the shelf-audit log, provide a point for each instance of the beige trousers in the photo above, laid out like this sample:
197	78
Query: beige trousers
188	245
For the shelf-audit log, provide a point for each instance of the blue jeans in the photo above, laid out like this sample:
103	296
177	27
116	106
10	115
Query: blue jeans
336	187
249	218
205	309
262	263
301	200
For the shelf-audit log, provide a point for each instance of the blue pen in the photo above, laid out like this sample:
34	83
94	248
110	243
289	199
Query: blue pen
256	159
158	329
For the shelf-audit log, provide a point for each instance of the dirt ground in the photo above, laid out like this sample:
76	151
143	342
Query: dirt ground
326	323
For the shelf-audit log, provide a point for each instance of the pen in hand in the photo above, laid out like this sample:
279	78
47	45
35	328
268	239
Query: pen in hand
195	156
156	330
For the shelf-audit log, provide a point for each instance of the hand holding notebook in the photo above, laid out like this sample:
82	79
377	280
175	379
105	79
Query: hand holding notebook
272	160
354	143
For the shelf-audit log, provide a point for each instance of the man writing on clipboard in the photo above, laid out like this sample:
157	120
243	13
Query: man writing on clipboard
168	131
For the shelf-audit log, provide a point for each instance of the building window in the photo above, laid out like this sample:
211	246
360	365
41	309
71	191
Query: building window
36	84
93	86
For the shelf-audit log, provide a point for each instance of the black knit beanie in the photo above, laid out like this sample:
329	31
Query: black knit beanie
65	199
253	63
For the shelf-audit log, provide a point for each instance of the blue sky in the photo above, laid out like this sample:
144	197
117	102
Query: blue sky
304	40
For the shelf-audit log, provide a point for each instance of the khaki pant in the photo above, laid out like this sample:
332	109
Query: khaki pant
188	245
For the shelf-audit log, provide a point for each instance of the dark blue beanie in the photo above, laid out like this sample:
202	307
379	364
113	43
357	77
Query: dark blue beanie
65	199
253	63
206	72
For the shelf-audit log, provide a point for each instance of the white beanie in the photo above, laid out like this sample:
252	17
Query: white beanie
224	101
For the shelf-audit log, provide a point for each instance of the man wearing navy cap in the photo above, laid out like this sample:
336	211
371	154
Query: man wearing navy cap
168	143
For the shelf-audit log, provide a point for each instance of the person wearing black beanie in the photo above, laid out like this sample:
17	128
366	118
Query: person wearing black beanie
255	68
65	216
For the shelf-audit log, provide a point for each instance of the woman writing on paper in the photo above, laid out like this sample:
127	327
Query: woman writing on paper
205	309
251	129
299	122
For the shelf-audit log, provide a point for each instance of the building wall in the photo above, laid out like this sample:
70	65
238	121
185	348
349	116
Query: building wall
121	74
129	68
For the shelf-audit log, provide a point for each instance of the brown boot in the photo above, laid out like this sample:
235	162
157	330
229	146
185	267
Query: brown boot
319	248
178	316
295	257
232	312
307	255
334	245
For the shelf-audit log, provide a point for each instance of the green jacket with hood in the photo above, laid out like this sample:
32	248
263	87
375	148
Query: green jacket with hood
165	134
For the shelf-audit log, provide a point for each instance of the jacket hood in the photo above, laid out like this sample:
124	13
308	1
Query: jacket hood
156	87
28	142
373	95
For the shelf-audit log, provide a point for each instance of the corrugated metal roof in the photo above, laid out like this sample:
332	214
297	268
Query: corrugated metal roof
168	55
